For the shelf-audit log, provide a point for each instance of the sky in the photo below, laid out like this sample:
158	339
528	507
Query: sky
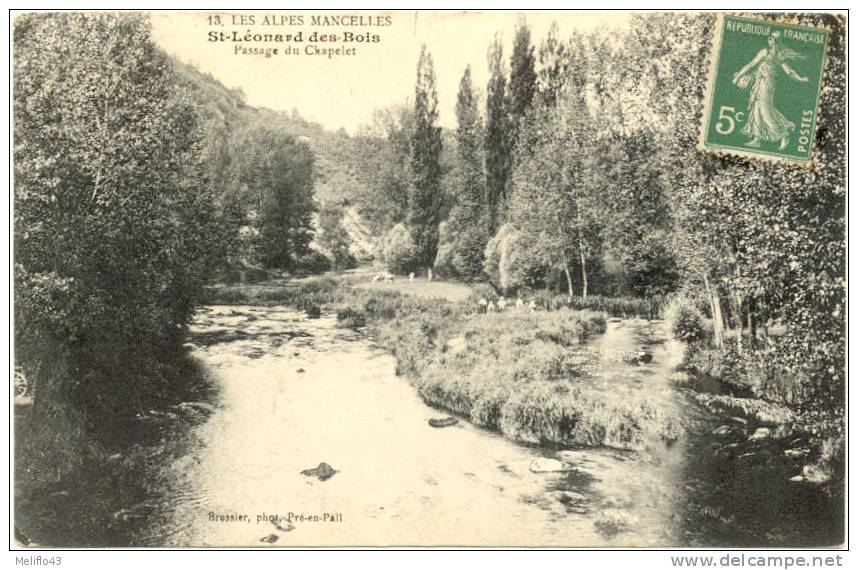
343	91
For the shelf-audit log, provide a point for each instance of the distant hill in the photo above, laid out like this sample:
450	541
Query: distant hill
340	175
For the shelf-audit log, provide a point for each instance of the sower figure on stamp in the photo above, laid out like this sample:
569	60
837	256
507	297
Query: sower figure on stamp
765	122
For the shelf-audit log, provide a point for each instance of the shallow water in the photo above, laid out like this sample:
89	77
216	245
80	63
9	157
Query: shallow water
295	392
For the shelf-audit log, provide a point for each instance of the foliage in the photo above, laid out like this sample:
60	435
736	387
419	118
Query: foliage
398	250
276	170
350	318
466	236
510	262
334	239
116	231
425	197
685	321
497	142
522	78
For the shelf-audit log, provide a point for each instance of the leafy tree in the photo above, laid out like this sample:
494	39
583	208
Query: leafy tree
497	142
334	239
554	67
277	171
425	198
113	209
384	152
522	78
466	237
399	251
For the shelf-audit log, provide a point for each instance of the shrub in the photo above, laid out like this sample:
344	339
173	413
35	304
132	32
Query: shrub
313	311
399	252
313	262
685	321
349	318
509	262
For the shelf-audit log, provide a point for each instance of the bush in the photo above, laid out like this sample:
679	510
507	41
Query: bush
509	262
349	318
313	262
399	252
685	321
313	311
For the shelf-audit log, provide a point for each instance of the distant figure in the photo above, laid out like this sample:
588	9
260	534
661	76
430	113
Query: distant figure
429	275
501	303
491	307
519	302
483	304
411	277
532	305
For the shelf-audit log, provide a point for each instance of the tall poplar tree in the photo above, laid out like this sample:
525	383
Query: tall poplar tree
522	78
467	214
497	137
425	198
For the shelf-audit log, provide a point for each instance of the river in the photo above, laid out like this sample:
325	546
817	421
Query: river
295	392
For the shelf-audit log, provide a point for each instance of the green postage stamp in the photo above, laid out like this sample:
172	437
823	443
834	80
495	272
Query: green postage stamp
765	81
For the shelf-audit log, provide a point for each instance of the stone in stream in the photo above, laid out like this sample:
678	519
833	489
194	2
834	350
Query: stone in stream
323	472
549	465
569	497
814	474
761	433
722	431
644	356
796	453
443	422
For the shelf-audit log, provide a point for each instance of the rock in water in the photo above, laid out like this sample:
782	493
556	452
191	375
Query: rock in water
548	465
270	539
569	497
443	422
723	430
644	357
323	472
761	433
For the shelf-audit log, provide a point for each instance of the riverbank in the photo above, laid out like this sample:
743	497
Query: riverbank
88	482
522	372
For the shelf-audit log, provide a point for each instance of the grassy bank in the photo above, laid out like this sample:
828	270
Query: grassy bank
521	372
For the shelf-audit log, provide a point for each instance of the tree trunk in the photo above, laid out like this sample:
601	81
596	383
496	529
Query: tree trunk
740	325
581	249
565	258
717	320
752	322
568	276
